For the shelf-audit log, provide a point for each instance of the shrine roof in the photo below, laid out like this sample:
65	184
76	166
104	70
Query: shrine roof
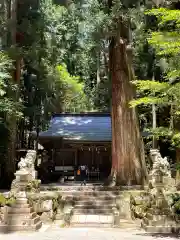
82	127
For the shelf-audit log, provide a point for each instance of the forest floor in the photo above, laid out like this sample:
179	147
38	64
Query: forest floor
51	233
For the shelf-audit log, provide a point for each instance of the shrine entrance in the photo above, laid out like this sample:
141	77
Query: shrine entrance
67	160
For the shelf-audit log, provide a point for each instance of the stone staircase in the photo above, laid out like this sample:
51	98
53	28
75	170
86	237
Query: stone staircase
93	209
94	206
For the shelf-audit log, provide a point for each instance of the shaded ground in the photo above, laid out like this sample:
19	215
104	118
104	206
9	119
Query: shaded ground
53	233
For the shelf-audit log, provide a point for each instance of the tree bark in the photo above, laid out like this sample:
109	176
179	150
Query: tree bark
128	160
12	121
4	16
154	121
177	163
98	78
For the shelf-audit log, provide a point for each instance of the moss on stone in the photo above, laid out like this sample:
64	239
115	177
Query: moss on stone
176	207
139	211
33	186
6	201
2	200
43	196
10	201
139	204
37	199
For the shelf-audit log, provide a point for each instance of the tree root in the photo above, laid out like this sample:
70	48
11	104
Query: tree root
111	181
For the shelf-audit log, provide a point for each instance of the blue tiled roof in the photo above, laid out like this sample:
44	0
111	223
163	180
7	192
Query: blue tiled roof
87	127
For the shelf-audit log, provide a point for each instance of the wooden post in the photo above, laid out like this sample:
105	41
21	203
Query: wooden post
92	155
76	152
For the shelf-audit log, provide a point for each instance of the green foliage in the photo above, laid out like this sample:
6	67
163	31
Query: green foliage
65	52
152	86
164	93
146	101
155	93
176	203
73	98
33	186
7	87
166	40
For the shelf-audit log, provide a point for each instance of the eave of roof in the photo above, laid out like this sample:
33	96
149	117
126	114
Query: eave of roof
97	130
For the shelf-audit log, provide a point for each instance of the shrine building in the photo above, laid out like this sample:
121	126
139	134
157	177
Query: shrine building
75	139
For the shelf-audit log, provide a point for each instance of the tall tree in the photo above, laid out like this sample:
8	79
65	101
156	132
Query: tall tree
11	119
128	160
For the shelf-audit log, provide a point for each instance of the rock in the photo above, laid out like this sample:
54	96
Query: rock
139	211
41	205
47	217
47	205
169	199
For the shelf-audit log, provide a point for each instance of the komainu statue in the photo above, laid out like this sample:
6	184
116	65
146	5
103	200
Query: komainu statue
161	171
26	172
28	162
159	164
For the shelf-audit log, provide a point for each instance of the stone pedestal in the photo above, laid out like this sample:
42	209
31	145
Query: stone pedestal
20	216
159	218
23	181
159	223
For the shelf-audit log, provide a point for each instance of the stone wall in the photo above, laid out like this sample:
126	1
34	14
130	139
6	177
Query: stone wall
45	204
51	206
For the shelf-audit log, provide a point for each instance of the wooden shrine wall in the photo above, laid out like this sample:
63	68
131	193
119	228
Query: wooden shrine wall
92	156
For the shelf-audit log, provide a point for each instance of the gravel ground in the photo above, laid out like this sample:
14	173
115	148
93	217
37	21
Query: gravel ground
53	233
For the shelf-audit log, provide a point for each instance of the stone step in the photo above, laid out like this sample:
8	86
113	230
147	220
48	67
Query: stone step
94	198
20	228
92	219
95	202
87	190
92	211
79	205
93	187
93	193
92	225
12	210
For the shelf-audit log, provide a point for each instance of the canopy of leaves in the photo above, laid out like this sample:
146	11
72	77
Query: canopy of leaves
73	97
7	87
164	93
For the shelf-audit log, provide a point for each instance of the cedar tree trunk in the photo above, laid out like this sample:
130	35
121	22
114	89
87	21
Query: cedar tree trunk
12	121
128	160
